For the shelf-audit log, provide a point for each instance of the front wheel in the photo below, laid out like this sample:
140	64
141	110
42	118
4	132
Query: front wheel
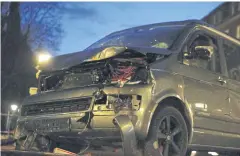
168	134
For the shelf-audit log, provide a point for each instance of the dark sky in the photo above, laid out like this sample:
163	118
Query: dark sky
87	22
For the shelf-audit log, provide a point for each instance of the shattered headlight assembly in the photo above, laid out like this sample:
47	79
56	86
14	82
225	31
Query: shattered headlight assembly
125	102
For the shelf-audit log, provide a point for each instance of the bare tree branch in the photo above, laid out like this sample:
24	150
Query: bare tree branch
39	26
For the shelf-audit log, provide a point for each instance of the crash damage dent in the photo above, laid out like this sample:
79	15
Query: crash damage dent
124	89
69	60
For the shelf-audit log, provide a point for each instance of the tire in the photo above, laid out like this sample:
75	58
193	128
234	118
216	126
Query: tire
165	140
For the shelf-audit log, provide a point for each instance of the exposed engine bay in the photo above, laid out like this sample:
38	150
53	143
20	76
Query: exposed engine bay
126	68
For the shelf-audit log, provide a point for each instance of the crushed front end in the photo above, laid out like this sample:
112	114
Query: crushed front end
87	101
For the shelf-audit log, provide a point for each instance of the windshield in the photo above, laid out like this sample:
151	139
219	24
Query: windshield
157	36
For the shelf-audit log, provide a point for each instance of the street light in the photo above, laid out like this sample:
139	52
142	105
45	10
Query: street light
14	107
43	57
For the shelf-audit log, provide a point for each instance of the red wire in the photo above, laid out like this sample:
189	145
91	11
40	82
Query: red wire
127	72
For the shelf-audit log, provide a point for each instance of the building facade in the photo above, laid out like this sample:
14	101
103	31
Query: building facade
226	17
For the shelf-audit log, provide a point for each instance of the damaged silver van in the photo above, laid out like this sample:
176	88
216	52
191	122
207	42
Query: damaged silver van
164	88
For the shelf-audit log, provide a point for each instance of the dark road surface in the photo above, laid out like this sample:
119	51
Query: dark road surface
10	152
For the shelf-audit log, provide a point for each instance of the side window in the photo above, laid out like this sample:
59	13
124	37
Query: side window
202	52
232	54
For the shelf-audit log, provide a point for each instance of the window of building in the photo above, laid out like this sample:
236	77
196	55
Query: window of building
232	53
238	6
233	8
214	19
211	19
225	10
219	17
238	32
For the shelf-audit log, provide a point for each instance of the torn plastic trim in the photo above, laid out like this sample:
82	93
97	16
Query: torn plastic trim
129	140
66	61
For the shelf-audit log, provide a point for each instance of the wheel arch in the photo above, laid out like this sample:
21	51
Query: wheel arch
183	107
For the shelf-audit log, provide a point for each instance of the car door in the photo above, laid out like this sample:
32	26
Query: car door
232	55
206	91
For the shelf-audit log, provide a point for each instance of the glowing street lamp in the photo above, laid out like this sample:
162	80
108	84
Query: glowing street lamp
43	57
12	110
14	107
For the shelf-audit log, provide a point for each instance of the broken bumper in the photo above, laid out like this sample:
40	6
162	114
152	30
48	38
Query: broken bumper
101	115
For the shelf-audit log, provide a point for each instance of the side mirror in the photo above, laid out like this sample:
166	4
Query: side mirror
204	52
33	90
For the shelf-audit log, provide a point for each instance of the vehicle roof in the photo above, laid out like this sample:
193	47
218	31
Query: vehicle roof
172	23
192	22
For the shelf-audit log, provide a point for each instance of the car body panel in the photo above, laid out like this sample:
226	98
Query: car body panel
210	139
169	84
234	99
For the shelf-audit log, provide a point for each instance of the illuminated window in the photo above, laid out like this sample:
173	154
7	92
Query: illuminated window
238	32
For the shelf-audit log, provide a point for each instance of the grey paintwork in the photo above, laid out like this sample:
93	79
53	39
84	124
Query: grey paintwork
211	108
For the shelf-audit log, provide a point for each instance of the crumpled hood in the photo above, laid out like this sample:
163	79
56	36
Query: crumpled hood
66	61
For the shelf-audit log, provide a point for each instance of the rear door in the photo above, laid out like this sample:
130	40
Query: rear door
232	55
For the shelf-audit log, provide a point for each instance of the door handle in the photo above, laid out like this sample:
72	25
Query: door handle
221	80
